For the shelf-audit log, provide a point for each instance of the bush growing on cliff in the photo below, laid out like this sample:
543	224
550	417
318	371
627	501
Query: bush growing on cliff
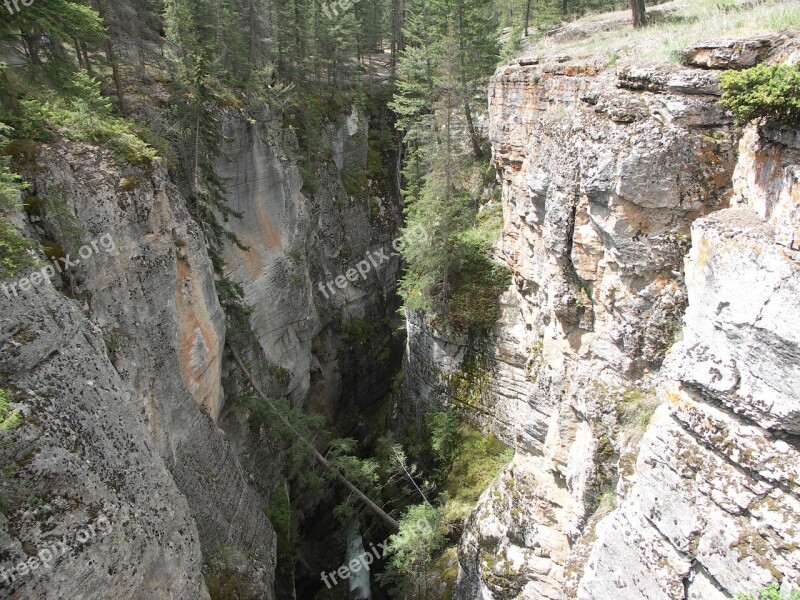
15	249
412	551
770	92
771	592
80	112
477	284
8	418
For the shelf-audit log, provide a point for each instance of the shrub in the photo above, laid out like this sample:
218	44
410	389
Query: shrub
354	180
477	283
413	548
86	115
445	431
771	592
8	418
769	92
15	249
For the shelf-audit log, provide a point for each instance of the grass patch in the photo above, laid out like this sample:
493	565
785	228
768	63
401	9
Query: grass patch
606	501
698	21
477	281
636	409
476	461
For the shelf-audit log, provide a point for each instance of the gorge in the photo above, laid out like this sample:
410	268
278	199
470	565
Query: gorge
626	427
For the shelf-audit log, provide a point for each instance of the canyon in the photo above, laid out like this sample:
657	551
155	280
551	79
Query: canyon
644	366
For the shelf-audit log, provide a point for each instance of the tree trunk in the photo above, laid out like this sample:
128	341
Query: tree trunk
32	43
639	13
377	510
86	60
78	52
528	17
253	22
397	35
473	135
112	58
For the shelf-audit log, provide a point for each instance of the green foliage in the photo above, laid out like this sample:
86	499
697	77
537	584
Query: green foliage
237	312
452	50
357	332
363	473
477	461
81	112
546	14
298	456
636	408
771	592
413	549
605	500
514	45
477	283
223	579
444	429
15	250
56	211
279	513
770	92
8	418
354	180
62	21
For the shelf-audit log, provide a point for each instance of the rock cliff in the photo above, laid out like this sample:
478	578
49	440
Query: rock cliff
118	368
644	365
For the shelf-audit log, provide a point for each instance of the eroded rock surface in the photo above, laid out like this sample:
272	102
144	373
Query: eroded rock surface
609	181
153	304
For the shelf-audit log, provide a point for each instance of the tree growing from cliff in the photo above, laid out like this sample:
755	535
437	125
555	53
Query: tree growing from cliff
413	549
448	56
15	250
338	462
46	28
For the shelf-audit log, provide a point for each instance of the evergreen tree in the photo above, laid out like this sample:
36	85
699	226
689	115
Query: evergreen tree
45	27
446	62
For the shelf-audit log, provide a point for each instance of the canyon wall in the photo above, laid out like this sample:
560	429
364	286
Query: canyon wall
644	362
118	369
297	243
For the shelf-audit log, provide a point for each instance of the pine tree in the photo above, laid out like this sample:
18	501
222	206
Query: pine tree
445	63
61	21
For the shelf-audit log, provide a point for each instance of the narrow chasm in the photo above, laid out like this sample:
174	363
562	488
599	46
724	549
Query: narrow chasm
400	299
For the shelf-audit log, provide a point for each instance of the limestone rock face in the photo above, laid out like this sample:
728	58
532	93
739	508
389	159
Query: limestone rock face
300	240
137	334
110	521
728	54
634	219
153	301
713	511
715	502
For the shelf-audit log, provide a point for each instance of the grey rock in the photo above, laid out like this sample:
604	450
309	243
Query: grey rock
729	53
